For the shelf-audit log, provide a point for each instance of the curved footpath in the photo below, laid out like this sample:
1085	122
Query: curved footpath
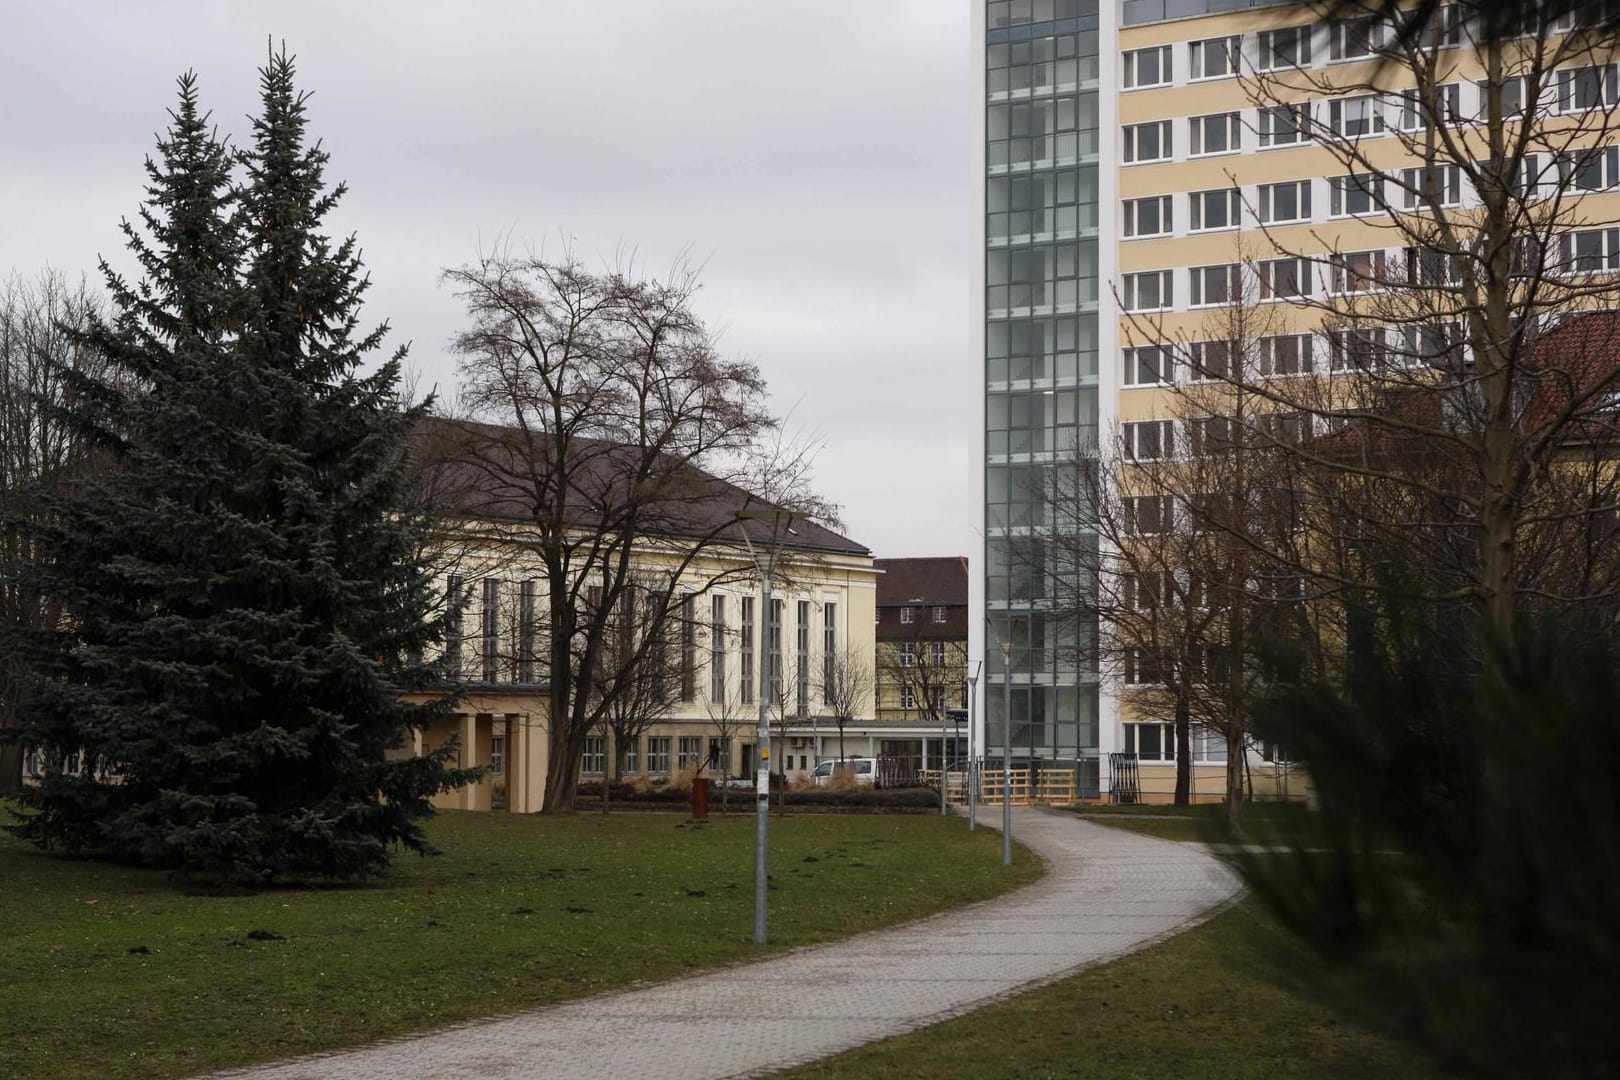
1107	892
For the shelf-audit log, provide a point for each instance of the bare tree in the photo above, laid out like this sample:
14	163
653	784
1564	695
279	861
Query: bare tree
848	687
40	355
626	446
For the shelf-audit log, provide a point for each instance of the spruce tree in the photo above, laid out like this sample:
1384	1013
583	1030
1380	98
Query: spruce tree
245	596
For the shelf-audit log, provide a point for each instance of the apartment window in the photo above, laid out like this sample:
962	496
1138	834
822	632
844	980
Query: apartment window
1280	203
1596	168
938	658
1147	590
1417	114
1211	359
1217	209
497	752
1209	435
688	649
1435	344
908	653
908	698
1157	742
630	751
1285	354
1151	291
1510	94
1285	125
1361	349
717	648
1147	142
1356	193
1149	515
1147	366
1355	38
1217	133
1289	47
593	761
658	754
528	597
801	641
938	614
1214	58
689	752
1149	440
747	650
1147	217
1286	428
1147	67
1425	266
773	647
829	652
908	615
1356	116
1142	667
1357	271
455	617
1584	88
1285	279
1433	185
1444	28
1211	285
490	631
1588	251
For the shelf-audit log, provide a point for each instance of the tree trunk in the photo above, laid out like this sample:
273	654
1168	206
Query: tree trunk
11	771
1183	745
1236	754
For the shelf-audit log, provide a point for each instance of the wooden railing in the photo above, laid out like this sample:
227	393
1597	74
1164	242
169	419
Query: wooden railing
1053	787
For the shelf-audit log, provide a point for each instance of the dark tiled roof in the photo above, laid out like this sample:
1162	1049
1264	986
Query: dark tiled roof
929	581
478	470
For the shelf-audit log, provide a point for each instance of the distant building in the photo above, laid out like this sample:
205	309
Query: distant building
922	641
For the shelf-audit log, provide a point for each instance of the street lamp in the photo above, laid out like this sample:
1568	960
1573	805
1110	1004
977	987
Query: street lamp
972	762
781	521
1006	757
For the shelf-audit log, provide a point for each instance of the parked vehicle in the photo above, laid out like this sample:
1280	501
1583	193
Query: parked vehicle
864	770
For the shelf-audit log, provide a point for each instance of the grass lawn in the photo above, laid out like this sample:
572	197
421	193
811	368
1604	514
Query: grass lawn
1264	821
1222	1002
111	972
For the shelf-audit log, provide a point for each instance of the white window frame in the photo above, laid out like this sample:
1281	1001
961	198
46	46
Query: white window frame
1130	67
1359	348
908	654
1269	269
1228	124
1266	58
1132	290
1200	277
1199	368
1300	130
1346	279
1606	257
1413	116
658	750
1266	200
1362	185
1198	203
1359	37
1364	112
1165	513
1413	182
908	615
1231	46
1149	440
1574	166
1132	209
1137	362
1301	357
1130	136
1570	83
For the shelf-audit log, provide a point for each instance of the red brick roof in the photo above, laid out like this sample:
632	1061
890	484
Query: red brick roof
930	581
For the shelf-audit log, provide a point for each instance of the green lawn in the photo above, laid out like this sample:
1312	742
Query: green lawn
1264	822
1223	1002
111	972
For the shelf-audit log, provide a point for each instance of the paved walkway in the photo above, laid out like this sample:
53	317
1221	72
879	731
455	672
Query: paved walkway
1108	892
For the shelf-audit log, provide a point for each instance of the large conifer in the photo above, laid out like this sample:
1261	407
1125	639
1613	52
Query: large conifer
244	595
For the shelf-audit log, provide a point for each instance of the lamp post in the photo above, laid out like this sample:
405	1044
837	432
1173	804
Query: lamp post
1006	756
972	762
762	735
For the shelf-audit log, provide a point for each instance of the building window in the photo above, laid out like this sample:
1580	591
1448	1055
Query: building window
1289	47
688	649
528	596
908	698
1147	67
1211	360
1147	366
1585	88
1356	193
1148	217
1281	203
1436	185
1147	142
908	654
1509	95
1356	117
658	754
801	631
1357	271
829	652
1214	58
1217	209
1286	354
747	651
907	615
1209	435
455	604
630	749
1435	344
1157	742
1596	168
1285	125
1148	515
1355	38
1142	668
1217	133
1149	440
689	752
592	761
773	649
497	754
489	626
1427	267
939	613
1151	291
717	648
939	654
1358	350
1285	279
1213	285
1588	251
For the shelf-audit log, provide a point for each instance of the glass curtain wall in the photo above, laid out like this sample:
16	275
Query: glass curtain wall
1040	349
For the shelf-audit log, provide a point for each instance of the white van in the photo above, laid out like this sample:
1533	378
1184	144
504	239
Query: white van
863	768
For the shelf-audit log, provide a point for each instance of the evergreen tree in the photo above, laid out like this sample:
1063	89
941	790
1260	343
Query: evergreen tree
245	600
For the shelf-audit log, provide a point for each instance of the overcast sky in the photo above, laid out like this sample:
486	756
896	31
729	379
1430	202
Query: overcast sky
813	154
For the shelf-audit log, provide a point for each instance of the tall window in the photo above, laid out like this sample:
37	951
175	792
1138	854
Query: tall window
938	613
490	627
528	594
717	648
829	651
689	752
747	650
594	759
939	655
907	614
908	653
658	753
801	631
773	649
688	650
454	606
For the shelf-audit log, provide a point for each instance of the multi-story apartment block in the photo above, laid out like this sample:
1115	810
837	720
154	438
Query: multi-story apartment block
922	669
1145	165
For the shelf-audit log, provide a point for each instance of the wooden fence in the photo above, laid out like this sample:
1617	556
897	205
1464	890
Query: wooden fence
1051	787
